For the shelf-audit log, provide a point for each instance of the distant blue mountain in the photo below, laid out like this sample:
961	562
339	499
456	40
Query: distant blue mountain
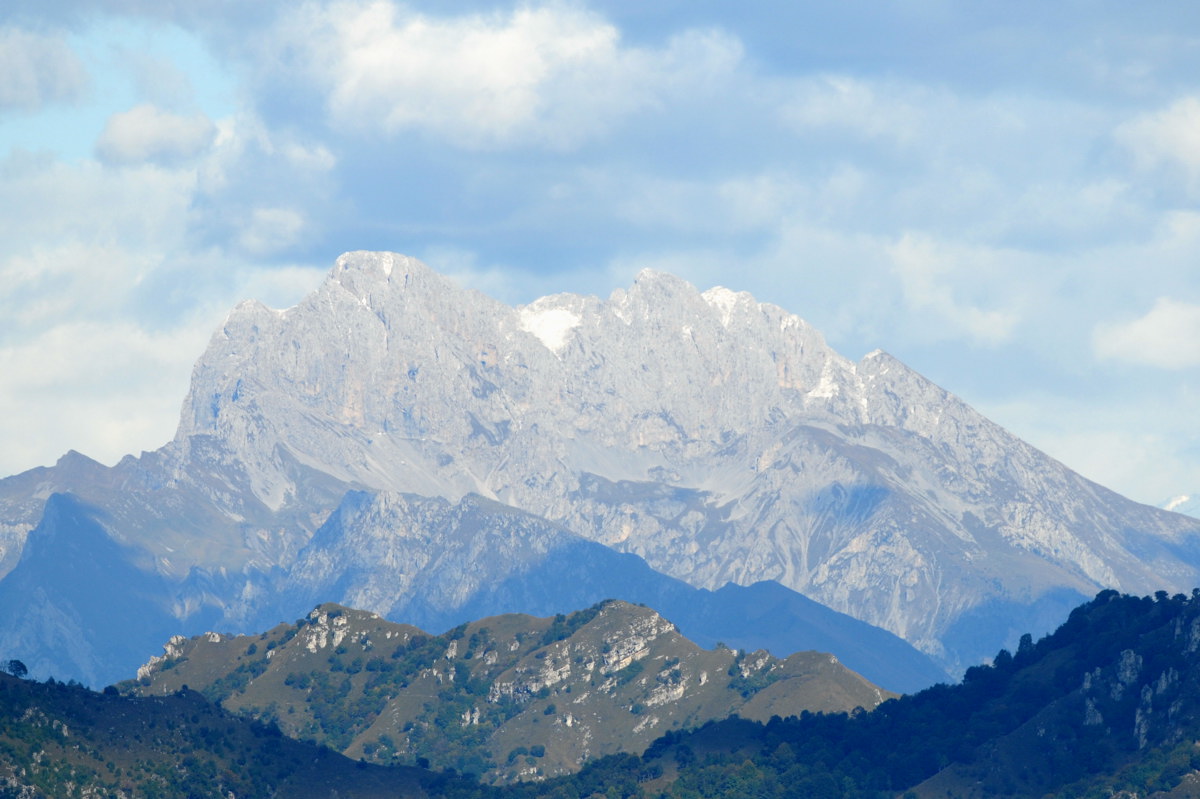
539	568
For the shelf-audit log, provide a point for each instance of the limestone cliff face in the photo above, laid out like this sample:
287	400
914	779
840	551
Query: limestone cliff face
719	438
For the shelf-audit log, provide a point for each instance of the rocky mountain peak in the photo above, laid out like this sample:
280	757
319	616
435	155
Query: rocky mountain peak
385	282
391	378
726	302
717	438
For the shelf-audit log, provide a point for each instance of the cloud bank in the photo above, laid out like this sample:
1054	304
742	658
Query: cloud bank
37	69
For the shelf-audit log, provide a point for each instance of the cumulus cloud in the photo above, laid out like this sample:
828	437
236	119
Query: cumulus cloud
554	74
99	388
262	191
1167	336
869	109
1150	460
926	269
75	238
148	133
269	230
1167	138
36	69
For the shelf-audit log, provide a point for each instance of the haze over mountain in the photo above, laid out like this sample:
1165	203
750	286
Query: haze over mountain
717	438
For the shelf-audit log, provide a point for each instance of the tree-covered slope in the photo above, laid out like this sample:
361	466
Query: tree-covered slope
62	740
1108	705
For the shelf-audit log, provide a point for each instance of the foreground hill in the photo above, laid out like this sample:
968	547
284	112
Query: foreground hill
1106	707
510	697
1109	705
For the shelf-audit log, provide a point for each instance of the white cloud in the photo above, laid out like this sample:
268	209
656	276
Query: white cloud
1167	336
553	74
310	158
71	280
869	109
262	191
148	133
270	230
1168	138
927	267
99	388
77	239
1141	446
689	205
475	71
36	69
113	281
237	139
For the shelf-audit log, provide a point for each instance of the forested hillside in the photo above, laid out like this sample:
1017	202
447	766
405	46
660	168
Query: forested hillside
63	740
1108	705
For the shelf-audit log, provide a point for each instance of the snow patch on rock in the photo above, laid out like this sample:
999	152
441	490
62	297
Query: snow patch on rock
723	301
552	326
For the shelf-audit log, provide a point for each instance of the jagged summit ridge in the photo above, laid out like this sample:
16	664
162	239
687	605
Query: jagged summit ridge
718	437
386	340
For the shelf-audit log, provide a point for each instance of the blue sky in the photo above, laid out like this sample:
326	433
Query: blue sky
1001	194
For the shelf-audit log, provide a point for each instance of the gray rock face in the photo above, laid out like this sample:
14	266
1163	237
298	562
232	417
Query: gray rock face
716	437
719	438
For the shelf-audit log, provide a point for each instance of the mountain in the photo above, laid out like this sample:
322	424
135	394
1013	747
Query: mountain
717	438
72	596
509	697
